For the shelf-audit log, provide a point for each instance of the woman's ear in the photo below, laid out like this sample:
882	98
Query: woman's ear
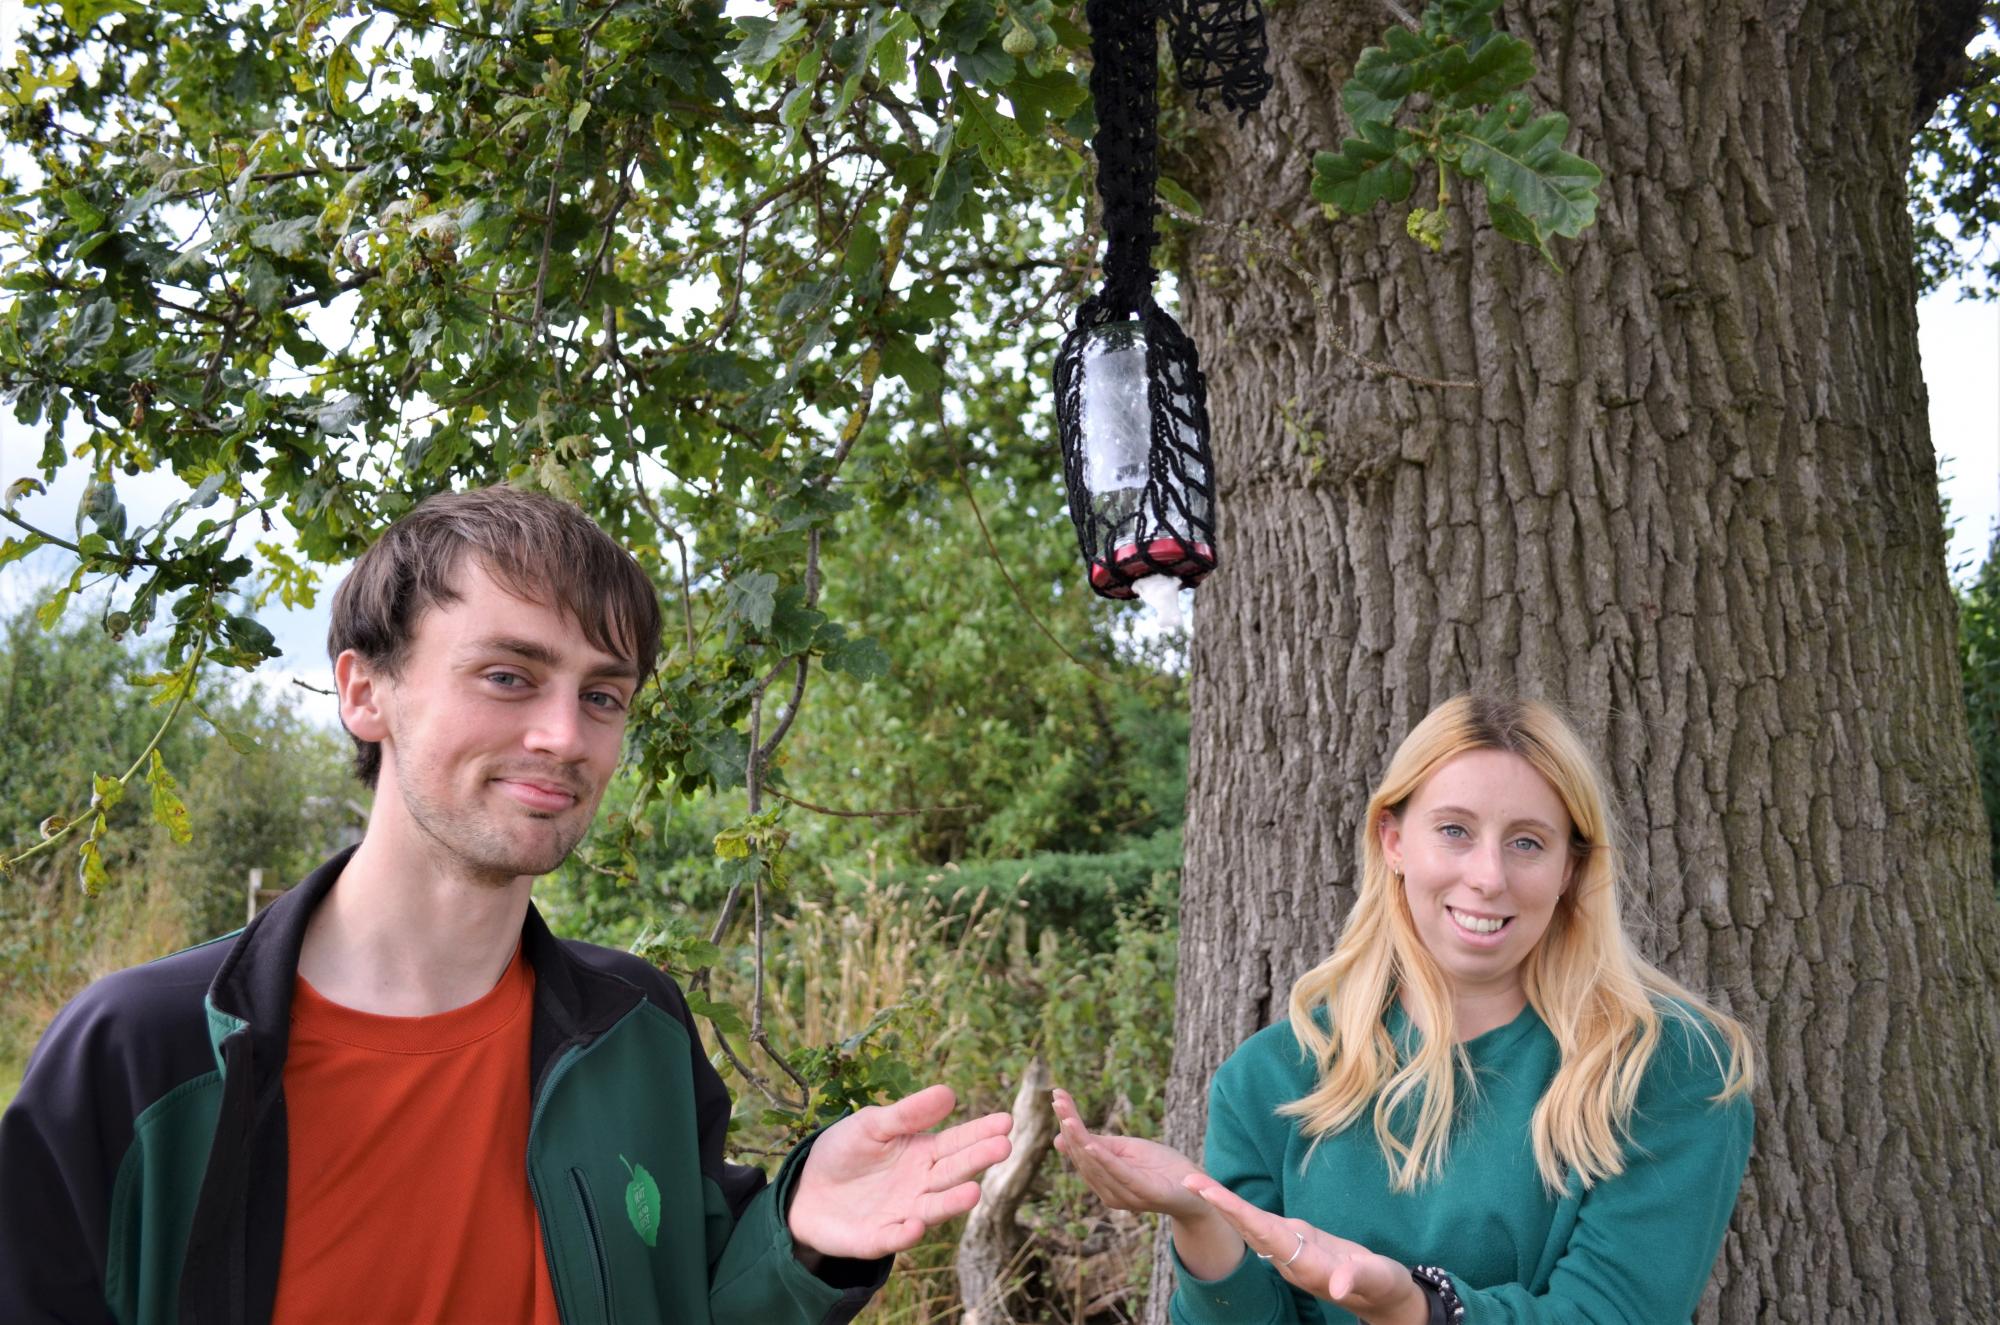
1390	831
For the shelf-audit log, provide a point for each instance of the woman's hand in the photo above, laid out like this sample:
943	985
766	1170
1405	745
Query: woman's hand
1347	1274
1127	1173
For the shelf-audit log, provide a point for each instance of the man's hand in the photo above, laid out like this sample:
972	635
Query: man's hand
1347	1274
875	1180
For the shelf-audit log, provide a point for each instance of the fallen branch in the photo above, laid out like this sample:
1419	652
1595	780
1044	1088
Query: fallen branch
992	1237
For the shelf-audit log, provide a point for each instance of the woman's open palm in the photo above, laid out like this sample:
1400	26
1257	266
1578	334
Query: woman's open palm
1345	1273
1126	1172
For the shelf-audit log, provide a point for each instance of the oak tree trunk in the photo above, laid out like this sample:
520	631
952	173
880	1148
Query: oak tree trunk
1691	497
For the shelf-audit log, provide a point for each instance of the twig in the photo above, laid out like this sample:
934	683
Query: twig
758	1036
744	1069
730	903
1403	15
752	772
871	362
812	567
127	562
965	481
354	282
687	591
791	711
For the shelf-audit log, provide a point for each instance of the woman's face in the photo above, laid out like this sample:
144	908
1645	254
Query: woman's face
1483	848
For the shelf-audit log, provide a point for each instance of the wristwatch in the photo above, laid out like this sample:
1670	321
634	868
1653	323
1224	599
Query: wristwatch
1446	1309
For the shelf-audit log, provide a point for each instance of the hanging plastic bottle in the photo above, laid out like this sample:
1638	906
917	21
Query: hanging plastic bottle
1131	405
1144	467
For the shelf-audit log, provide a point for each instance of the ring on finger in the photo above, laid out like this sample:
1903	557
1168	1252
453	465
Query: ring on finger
1297	1251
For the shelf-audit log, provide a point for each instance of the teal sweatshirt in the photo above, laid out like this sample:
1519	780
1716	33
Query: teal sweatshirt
1632	1250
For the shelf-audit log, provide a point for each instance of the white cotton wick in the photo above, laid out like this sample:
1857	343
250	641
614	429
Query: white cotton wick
1161	593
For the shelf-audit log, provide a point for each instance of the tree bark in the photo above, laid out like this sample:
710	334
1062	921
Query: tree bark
1692	498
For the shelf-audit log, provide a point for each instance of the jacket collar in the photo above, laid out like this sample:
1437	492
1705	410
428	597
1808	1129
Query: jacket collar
252	990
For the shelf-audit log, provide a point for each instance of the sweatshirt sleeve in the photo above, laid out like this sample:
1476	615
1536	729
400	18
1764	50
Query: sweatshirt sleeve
755	1275
1253	1293
759	1280
1645	1241
54	1188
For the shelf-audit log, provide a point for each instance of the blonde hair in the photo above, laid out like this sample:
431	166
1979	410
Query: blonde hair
1601	1000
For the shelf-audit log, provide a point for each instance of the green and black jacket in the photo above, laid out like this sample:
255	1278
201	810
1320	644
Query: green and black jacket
142	1165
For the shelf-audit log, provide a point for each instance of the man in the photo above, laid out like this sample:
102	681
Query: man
326	1117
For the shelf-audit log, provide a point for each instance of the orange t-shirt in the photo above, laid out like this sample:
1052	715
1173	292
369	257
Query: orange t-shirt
407	1188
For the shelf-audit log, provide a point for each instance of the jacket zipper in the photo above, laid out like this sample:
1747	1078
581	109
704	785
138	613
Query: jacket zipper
564	1309
580	1187
566	1060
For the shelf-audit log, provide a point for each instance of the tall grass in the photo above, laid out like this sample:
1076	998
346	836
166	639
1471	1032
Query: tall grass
60	941
965	989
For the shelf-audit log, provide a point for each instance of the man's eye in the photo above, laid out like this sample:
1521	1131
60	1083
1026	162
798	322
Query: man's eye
604	699
506	679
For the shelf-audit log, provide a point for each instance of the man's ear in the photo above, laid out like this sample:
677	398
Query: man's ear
363	694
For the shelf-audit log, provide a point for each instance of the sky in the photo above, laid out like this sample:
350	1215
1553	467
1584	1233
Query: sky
1960	343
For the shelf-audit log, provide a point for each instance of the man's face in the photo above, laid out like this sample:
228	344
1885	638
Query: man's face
499	731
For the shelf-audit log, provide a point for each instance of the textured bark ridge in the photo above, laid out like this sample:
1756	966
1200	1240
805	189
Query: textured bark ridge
1693	499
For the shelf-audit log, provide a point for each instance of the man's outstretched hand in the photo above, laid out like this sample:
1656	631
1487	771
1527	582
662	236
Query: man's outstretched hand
875	1180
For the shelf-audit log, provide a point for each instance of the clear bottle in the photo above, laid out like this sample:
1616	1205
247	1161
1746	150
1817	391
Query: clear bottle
1117	430
1138	537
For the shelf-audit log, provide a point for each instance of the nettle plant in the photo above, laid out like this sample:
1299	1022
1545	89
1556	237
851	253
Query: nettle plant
758	290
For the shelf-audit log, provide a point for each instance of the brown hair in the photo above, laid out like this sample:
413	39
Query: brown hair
542	548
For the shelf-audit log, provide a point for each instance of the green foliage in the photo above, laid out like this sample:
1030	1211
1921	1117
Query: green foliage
67	697
1955	176
701	273
273	794
1472	118
1979	653
70	699
1088	897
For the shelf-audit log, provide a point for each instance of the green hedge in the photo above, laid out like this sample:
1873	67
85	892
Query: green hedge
1087	896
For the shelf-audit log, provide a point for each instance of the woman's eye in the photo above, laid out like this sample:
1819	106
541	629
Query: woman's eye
1452	830
1527	844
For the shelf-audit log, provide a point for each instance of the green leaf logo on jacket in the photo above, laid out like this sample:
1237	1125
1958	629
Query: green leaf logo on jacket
642	1202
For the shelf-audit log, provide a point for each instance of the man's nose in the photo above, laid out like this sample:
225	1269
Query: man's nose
557	728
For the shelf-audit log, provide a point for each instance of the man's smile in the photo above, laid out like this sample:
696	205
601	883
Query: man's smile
538	794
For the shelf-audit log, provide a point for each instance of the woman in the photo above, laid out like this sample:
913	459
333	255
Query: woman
1485	1076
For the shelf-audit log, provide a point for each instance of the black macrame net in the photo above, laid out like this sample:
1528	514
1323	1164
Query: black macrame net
1162	523
1219	46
